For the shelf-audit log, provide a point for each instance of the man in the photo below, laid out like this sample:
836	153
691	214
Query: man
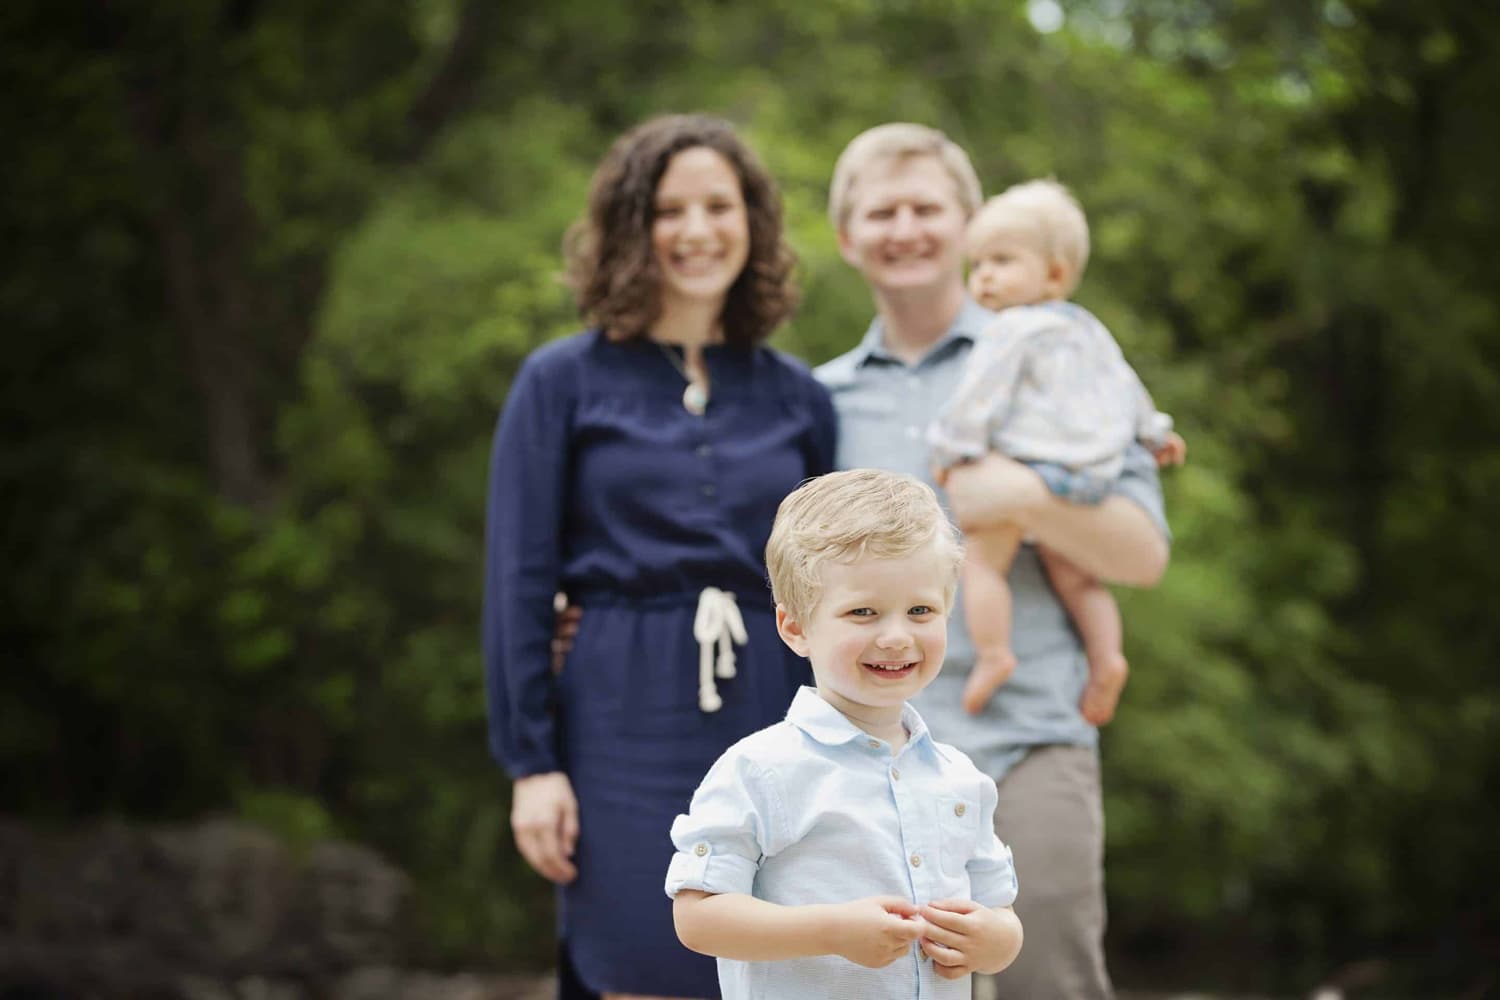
900	199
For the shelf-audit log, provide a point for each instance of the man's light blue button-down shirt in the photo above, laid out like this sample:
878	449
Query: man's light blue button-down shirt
885	407
815	810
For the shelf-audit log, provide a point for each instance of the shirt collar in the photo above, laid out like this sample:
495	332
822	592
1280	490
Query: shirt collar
967	326
826	724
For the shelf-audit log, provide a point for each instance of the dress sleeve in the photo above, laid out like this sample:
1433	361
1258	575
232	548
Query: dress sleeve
962	430
992	871
825	429
523	554
728	829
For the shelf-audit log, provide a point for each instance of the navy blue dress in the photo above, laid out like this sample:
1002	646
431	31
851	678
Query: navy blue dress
603	486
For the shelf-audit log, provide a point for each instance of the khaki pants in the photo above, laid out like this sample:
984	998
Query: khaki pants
1052	816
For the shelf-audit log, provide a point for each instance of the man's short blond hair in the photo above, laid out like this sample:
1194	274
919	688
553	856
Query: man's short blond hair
1044	208
896	141
846	516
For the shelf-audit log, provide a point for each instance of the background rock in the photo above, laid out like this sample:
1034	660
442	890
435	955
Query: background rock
219	910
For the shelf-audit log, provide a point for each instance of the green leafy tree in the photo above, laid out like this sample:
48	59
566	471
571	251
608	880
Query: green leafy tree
271	268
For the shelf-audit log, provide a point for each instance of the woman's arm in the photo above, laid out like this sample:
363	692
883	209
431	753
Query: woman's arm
527	494
544	823
523	545
872	932
825	429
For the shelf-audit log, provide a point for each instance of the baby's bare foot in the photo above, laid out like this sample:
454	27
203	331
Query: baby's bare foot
992	668
1107	677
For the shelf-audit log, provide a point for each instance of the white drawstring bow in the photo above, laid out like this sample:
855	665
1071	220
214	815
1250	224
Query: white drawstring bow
717	625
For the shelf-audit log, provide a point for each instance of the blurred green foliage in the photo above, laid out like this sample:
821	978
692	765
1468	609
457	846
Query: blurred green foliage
270	268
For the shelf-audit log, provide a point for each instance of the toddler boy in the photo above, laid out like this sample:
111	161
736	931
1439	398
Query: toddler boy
844	852
1047	385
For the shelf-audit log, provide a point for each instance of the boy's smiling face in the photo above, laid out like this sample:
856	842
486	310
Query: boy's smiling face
878	633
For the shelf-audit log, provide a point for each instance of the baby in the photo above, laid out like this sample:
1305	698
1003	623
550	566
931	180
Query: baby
844	852
1047	385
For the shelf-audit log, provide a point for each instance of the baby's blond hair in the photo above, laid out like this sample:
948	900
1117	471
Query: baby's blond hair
852	515
1044	208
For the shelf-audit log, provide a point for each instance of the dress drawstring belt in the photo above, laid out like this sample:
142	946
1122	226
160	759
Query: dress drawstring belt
717	626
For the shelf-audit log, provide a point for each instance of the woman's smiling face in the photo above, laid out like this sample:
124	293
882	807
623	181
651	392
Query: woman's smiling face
700	230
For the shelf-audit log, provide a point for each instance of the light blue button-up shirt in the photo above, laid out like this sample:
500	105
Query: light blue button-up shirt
816	810
885	407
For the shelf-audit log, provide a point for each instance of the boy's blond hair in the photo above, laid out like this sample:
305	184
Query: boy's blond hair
852	515
896	141
1045	208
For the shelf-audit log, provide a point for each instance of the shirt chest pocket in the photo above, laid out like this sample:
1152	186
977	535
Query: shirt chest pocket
958	833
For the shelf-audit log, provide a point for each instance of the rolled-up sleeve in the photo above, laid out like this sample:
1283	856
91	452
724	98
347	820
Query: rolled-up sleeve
992	871
730	827
1151	425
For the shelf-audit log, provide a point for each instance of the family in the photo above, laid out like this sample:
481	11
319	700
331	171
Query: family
866	781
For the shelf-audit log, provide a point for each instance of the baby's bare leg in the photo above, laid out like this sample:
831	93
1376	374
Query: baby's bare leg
987	609
1097	618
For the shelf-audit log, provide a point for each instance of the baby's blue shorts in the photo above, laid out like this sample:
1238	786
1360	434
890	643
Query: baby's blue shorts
1074	487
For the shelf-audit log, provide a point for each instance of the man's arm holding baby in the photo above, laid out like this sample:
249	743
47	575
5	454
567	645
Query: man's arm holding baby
872	932
1118	540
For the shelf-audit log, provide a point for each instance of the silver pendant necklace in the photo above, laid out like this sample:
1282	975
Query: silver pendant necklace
695	395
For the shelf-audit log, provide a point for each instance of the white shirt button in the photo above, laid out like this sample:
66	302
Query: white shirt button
895	774
701	850
874	744
960	809
916	861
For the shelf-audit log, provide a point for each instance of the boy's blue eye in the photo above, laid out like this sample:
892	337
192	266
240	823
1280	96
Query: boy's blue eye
862	612
921	609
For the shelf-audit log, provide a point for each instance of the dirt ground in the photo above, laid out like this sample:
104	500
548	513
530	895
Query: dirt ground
541	988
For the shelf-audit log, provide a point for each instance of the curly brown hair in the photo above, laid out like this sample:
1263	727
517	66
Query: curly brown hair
610	263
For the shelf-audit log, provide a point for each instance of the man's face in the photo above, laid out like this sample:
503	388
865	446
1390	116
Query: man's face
905	227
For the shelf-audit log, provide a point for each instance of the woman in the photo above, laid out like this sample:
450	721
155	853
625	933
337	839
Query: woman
637	468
